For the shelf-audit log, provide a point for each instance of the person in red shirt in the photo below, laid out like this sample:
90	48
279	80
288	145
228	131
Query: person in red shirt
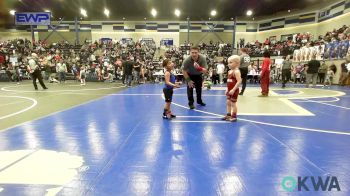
233	81
2	59
267	41
265	75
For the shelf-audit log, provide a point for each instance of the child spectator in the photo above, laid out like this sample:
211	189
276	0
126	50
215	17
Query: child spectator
82	75
329	77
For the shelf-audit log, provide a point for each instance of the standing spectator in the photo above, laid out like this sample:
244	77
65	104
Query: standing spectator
329	77
322	72
2	59
343	75
298	72
267	42
118	66
265	75
245	61
241	42
286	71
82	75
143	72
127	68
137	70
220	69
9	71
192	69
61	70
348	68
311	71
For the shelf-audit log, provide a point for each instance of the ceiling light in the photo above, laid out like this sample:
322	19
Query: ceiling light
177	12
288	10
154	12
249	12
106	12
83	12
12	12
213	13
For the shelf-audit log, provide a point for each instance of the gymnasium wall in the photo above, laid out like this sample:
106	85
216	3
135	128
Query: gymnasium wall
157	36
68	36
315	29
198	37
315	21
334	23
311	28
10	35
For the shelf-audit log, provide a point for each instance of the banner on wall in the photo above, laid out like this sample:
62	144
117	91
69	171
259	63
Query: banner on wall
33	18
126	40
146	39
106	40
167	42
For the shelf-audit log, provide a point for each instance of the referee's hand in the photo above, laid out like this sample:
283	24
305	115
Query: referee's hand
190	84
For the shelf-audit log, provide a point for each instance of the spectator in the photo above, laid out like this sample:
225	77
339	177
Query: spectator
128	68
286	71
311	71
329	77
343	75
220	69
322	72
137	71
62	70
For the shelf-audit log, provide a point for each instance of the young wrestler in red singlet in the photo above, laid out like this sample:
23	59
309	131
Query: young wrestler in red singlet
233	81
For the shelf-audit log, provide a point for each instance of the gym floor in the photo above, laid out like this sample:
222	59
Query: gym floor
104	139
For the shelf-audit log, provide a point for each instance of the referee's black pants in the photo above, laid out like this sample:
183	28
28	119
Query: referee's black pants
37	75
244	76
198	82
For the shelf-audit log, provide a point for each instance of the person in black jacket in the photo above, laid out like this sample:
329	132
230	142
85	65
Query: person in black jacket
127	68
312	71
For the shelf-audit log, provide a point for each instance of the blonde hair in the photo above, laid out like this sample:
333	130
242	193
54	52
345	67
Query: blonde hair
234	58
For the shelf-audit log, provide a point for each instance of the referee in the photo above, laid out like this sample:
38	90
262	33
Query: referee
245	61
192	69
35	71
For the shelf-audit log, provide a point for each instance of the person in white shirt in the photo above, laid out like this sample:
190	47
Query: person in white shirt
220	69
61	70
